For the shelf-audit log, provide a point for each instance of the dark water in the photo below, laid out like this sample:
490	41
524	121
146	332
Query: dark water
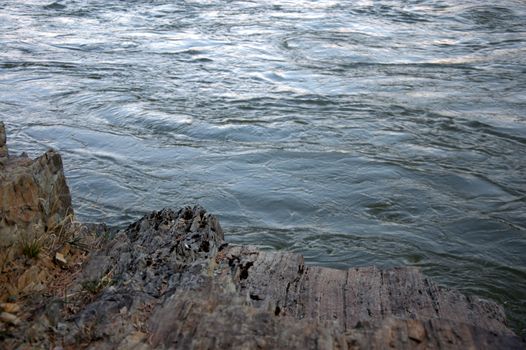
354	132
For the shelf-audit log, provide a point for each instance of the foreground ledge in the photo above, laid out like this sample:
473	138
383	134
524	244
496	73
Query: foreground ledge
177	284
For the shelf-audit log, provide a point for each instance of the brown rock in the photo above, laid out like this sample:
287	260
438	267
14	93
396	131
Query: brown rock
416	331
135	341
218	321
281	280
32	280
8	318
60	260
11	308
34	196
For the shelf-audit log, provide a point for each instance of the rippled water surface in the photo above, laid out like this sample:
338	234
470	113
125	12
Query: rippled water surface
354	132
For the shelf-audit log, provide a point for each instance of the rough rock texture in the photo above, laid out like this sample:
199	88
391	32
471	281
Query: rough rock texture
143	265
282	282
34	196
4	153
170	282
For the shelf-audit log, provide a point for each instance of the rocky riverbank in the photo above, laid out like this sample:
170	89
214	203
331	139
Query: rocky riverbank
169	280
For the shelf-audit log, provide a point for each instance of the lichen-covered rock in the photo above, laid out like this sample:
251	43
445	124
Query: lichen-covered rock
34	196
141	267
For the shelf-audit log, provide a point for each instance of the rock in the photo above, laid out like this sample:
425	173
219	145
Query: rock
147	262
179	283
32	280
8	318
60	260
282	281
34	196
4	153
214	321
135	341
170	281
11	308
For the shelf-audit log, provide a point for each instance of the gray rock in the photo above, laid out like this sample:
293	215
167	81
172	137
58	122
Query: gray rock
144	264
4	153
182	287
281	281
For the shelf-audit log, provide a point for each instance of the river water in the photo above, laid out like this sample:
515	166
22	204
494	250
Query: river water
354	132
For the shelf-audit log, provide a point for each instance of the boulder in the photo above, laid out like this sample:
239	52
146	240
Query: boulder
34	195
